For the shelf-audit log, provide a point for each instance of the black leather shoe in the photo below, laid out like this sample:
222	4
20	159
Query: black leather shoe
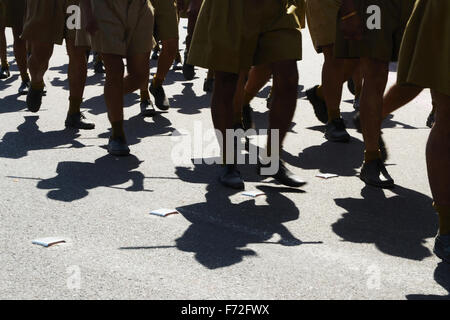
24	87
231	177
118	147
335	131
283	175
77	121
34	99
147	109
374	173
161	100
208	85
4	73
319	106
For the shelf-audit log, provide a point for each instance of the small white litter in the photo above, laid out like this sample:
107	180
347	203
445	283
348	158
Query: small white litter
253	194
327	175
47	242
164	212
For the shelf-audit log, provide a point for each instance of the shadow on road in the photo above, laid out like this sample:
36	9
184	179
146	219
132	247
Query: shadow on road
442	277
75	179
16	145
221	230
398	225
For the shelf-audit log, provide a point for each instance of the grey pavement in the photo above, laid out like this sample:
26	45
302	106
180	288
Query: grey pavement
333	239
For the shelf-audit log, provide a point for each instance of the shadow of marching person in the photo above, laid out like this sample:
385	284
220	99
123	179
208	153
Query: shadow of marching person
221	230
442	277
75	179
16	145
397	225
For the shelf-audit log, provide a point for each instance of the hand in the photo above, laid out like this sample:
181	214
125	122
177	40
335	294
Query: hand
351	27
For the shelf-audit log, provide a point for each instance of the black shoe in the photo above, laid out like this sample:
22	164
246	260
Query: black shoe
231	177
76	121
208	85
374	173
4	73
24	87
99	67
442	247
118	147
161	100
351	86
335	131
247	117
283	175
34	99
147	109
430	120
188	71
319	106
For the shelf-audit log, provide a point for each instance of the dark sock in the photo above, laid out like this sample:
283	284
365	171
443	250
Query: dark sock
333	114
74	105
371	155
117	129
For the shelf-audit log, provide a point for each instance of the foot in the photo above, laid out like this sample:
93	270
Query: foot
247	117
77	121
99	68
177	65
374	173
147	109
231	177
4	73
430	120
320	108
283	175
24	87
335	131
161	100
118	147
442	247
34	99
208	85
383	149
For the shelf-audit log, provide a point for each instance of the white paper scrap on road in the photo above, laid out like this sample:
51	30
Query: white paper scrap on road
327	175
253	194
47	242
164	212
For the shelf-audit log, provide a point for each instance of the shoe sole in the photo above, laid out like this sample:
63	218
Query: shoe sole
342	140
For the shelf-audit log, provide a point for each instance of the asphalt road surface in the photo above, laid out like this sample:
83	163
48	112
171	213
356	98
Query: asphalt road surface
333	239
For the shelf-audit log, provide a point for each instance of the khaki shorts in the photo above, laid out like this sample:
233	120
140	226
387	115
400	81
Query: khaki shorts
45	21
125	27
425	51
166	20
14	13
322	17
381	44
233	35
